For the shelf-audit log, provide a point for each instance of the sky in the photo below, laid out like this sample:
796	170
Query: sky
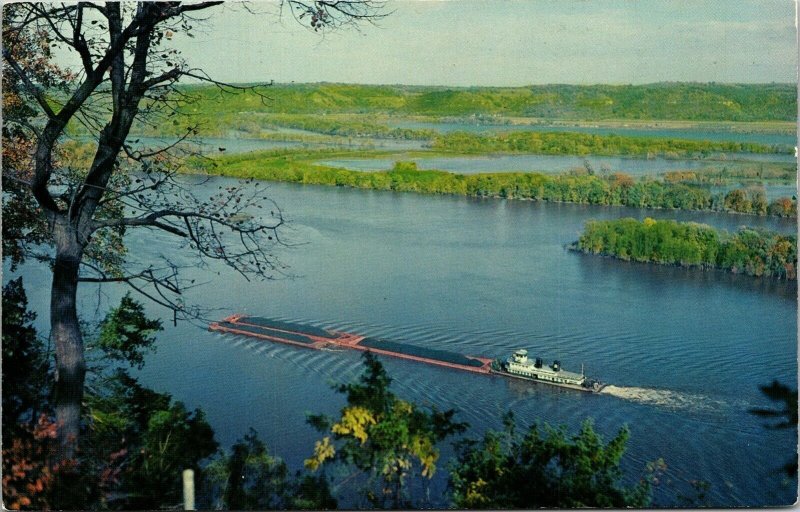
509	43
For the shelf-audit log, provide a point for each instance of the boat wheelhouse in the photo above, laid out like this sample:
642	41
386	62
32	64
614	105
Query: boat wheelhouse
519	364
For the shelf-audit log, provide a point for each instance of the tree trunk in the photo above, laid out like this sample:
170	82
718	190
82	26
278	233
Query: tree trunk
66	334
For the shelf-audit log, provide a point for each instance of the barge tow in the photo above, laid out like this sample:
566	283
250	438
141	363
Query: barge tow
517	366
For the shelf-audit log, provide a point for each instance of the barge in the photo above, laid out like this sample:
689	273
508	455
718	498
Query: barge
299	335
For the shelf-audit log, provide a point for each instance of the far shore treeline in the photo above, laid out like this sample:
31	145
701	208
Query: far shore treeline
668	100
353	110
749	251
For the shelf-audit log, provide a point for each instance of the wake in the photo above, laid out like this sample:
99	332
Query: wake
665	398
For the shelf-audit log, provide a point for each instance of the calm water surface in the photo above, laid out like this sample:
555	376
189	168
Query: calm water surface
684	350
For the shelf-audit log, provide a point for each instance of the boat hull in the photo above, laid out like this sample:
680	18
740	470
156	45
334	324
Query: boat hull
576	387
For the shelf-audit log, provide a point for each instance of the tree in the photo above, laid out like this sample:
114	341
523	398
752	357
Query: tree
128	73
28	472
781	393
384	437
738	201
138	440
25	365
250	478
23	226
543	468
783	207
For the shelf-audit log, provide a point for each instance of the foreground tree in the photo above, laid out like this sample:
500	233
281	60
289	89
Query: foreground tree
386	439
25	366
787	416
544	467
250	478
127	72
27	430
136	441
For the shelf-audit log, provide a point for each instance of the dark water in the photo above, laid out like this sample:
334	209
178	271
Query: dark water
699	133
684	350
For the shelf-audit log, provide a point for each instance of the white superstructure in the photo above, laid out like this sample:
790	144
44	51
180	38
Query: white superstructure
519	364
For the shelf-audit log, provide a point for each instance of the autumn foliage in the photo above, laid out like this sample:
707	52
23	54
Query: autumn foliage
28	470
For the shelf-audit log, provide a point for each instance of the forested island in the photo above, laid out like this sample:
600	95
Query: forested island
568	143
574	187
749	251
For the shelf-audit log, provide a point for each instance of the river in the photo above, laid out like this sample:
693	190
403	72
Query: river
684	350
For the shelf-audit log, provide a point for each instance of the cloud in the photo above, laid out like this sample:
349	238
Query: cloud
480	42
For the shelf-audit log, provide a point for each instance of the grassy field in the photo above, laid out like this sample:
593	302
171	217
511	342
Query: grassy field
667	101
350	109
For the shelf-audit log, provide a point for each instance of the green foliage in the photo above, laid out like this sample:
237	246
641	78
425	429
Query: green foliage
401	167
749	251
688	101
175	439
250	478
678	101
146	440
783	207
753	200
343	126
381	435
544	467
126	333
25	364
139	440
575	143
735	172
345	110
783	394
617	189
575	187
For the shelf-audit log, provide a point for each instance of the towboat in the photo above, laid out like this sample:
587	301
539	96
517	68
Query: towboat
518	365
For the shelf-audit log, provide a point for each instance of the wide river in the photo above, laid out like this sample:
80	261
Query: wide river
683	350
